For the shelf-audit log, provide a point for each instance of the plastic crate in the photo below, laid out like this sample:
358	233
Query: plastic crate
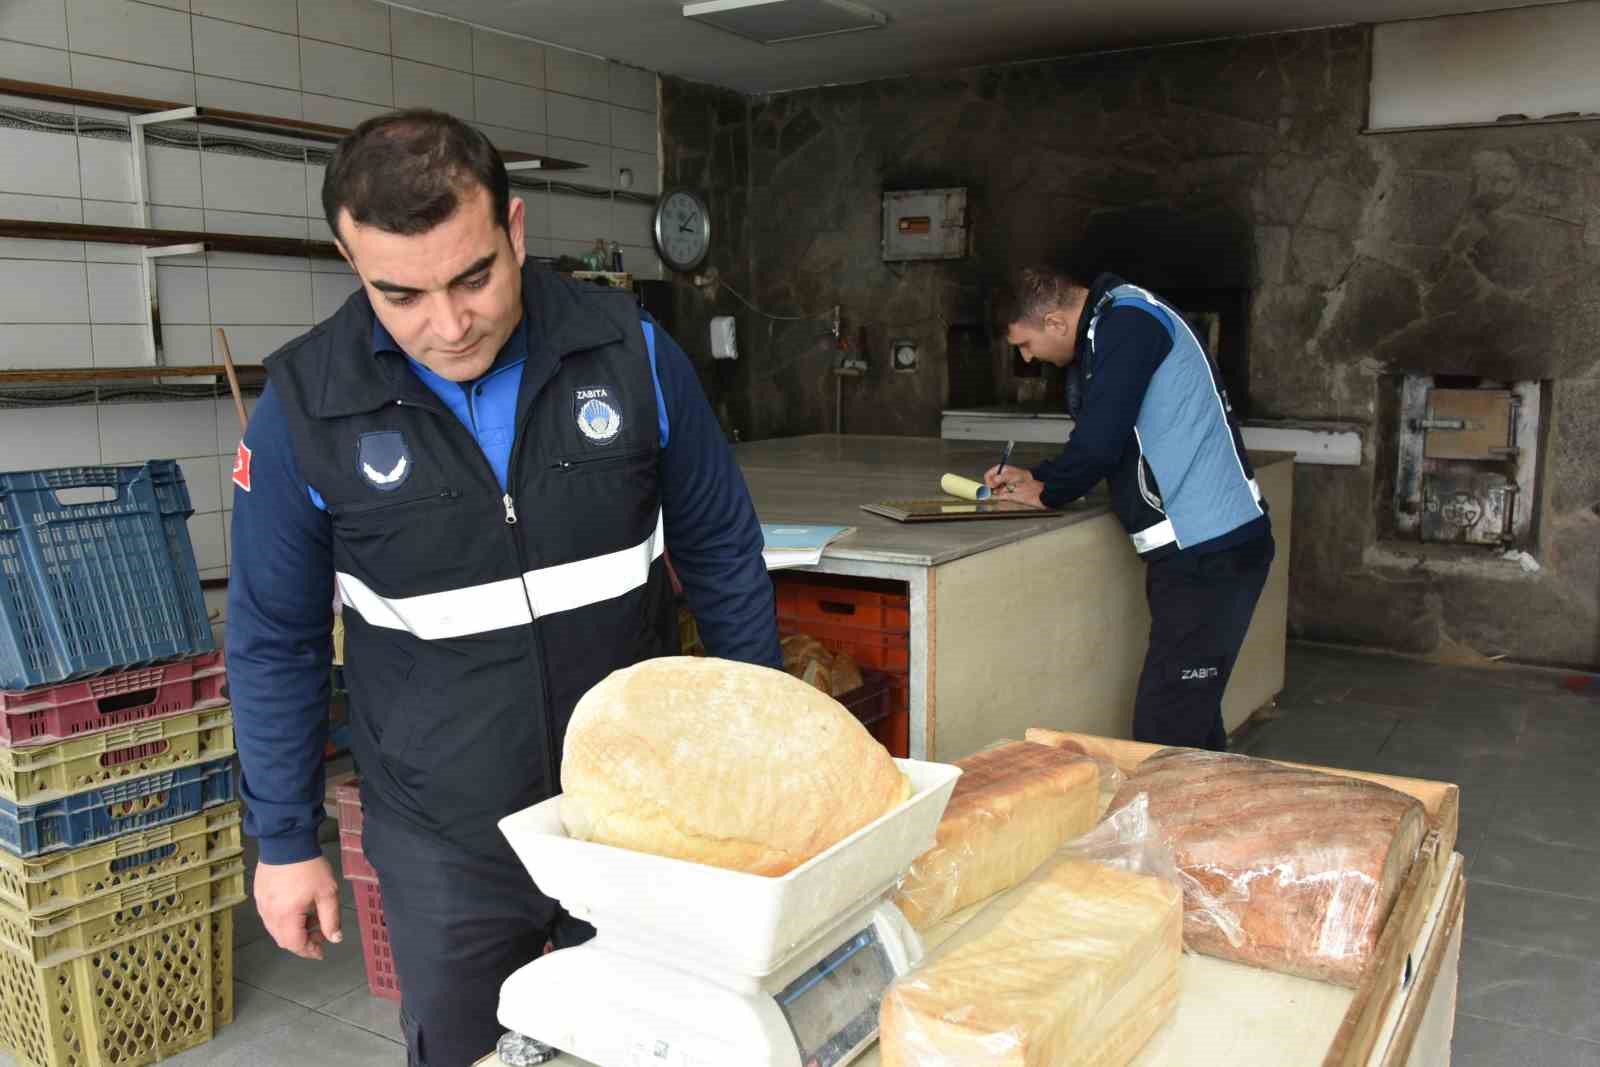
128	1004
97	814
866	602
44	886
39	716
879	649
122	913
43	772
872	701
100	586
382	978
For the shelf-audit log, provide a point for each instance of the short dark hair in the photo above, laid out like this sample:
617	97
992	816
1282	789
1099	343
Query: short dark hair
407	171
1030	293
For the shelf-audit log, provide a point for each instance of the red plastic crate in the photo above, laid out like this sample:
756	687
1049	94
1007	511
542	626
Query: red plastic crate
880	650
382	978
59	712
863	602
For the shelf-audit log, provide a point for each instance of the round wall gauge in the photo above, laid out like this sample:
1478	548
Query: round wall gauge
682	230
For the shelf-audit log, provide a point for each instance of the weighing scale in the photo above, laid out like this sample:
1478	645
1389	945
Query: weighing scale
696	966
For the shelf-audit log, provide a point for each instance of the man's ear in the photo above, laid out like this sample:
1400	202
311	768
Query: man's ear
516	229
1056	322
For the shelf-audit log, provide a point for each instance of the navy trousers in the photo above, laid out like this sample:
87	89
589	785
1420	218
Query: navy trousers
459	924
1200	610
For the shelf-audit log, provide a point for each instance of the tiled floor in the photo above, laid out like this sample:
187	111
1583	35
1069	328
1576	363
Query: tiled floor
1525	752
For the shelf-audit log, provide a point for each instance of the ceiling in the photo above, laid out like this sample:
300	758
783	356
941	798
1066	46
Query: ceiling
922	35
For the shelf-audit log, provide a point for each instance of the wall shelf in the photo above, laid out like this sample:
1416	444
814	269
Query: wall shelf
238	120
78	375
135	235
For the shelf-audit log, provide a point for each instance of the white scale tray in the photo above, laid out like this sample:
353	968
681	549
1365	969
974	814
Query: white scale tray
728	921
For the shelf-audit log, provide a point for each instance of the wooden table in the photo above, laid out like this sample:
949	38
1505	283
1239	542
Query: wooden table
1014	622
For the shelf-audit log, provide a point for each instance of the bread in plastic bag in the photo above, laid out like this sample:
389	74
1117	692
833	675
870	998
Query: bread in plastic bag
1013	806
1286	868
1078	965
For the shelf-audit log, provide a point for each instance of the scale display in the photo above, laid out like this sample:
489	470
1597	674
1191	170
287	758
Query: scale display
833	1008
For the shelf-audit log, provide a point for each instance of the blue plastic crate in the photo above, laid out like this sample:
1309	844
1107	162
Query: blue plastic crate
91	587
97	814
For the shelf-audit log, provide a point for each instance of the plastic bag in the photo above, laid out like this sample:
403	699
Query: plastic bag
1079	963
1013	806
1286	868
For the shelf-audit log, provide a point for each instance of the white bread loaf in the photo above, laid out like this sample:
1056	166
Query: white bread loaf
1013	806
721	763
1077	967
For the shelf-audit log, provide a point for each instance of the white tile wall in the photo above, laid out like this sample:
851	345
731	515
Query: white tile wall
632	87
511	59
359	23
632	224
260	297
131	432
280	15
349	73
32	291
504	104
246	53
34	63
37	163
423	85
114	293
131	79
33	438
426	39
577	75
66	304
35	22
184	295
44	345
633	130
138	33
250	183
579	119
243	96
646	174
118	346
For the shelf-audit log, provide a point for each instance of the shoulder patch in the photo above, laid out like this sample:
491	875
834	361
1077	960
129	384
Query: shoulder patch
241	466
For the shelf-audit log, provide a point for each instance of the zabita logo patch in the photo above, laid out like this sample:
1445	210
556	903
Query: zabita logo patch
597	416
384	459
241	466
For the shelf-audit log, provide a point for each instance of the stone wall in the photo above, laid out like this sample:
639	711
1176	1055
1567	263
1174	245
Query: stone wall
1236	163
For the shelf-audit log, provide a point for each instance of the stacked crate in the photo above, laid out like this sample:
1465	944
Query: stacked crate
871	620
120	841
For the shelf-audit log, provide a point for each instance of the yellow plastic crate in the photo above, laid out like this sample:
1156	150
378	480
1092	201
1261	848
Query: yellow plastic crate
45	772
58	880
126	1004
115	916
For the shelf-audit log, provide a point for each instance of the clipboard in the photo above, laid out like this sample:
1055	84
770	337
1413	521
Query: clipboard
951	509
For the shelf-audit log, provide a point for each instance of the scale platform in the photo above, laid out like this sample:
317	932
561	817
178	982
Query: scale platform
696	966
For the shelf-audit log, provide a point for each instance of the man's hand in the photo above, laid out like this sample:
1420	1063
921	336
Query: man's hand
1014	483
286	893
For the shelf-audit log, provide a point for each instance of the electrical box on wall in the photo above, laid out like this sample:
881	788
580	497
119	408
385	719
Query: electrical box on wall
925	224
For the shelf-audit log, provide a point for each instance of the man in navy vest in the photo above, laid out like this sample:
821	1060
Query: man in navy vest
1153	420
485	459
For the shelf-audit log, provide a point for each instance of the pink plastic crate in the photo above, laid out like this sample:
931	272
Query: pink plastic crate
59	712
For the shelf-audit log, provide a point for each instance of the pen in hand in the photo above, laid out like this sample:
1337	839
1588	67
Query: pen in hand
1000	471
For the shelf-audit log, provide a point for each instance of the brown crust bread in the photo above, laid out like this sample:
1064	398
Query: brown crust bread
721	763
1013	806
1307	864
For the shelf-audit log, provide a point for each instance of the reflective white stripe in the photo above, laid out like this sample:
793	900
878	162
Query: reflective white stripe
1255	490
475	609
478	609
590	581
1153	537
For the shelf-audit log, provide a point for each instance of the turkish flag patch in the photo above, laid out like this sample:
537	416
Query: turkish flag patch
241	467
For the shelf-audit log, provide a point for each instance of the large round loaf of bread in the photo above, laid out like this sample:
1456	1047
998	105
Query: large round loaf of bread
721	763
